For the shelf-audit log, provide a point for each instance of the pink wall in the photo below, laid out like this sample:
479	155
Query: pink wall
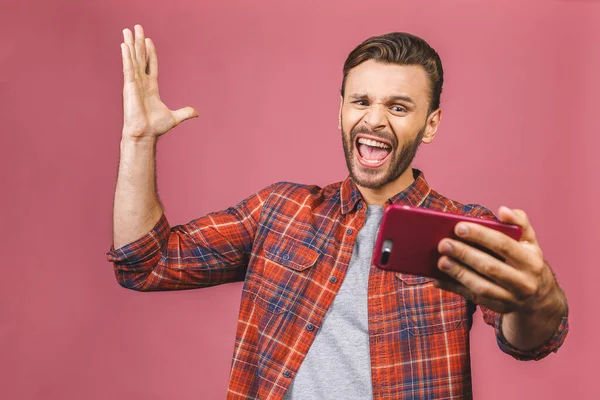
520	128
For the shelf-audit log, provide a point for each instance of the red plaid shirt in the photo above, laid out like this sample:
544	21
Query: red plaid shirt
292	244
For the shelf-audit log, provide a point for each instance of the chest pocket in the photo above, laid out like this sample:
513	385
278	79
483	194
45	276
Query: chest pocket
284	273
429	310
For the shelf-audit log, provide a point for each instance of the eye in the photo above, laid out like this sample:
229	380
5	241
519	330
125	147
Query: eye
399	109
361	103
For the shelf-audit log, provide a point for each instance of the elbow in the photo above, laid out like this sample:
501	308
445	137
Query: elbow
138	281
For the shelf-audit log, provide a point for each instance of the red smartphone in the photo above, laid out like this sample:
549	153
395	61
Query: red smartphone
409	236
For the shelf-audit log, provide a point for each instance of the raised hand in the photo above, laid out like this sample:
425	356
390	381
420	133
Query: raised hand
145	115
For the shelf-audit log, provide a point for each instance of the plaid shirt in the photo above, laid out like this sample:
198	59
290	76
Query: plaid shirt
292	244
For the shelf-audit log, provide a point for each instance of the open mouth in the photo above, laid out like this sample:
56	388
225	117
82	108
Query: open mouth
372	152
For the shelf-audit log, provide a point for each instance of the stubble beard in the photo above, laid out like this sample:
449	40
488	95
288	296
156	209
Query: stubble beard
401	158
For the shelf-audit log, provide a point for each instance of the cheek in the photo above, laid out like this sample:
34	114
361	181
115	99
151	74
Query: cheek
349	119
405	130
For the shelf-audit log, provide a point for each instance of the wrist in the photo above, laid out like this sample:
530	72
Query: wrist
138	140
557	304
552	307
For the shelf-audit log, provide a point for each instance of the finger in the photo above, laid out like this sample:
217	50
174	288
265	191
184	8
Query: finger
128	39
463	291
140	48
184	113
128	74
479	286
152	58
518	217
486	265
497	242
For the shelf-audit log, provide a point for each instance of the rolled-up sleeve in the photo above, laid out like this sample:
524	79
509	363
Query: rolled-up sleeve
207	251
550	346
143	250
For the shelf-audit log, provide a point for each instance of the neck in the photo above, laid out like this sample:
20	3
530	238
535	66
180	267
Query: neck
378	197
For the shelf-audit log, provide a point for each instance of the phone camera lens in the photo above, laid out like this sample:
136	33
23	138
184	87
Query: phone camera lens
385	257
386	251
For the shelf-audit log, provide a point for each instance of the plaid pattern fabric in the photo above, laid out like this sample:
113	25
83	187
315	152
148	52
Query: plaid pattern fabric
292	244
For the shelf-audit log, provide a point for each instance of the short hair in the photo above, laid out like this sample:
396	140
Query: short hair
402	49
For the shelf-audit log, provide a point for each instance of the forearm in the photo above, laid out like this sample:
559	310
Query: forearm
136	205
526	331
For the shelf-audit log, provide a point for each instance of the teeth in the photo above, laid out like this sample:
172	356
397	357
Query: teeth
373	143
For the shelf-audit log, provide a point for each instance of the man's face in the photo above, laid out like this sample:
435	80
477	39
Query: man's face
383	118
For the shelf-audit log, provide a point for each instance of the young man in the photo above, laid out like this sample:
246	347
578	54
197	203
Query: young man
317	320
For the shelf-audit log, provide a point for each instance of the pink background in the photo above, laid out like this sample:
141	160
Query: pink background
520	128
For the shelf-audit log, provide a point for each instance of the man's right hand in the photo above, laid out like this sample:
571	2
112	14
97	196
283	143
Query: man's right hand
145	115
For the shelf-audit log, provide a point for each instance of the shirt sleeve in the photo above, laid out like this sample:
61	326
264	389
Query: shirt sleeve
206	251
550	346
495	319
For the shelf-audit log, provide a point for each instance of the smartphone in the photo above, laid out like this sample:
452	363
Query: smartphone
408	238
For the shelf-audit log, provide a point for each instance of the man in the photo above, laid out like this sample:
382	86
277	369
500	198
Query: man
317	320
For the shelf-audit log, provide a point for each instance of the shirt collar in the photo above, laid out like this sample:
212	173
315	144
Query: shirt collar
413	195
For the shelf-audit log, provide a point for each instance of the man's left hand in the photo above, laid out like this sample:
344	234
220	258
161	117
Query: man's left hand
523	283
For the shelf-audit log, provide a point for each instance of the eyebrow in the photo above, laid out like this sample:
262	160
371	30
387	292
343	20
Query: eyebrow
389	99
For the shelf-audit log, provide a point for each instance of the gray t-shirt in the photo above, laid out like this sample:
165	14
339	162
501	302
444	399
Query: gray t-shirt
338	364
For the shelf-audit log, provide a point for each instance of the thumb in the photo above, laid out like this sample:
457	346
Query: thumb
184	113
518	217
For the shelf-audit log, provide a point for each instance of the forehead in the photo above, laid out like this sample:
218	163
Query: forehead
380	80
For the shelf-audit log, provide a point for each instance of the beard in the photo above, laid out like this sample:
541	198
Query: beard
400	158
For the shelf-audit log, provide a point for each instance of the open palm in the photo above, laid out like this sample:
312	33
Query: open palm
144	114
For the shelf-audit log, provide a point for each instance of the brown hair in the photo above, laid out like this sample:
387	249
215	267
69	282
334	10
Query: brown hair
403	49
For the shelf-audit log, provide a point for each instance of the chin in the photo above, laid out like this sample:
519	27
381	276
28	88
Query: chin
369	181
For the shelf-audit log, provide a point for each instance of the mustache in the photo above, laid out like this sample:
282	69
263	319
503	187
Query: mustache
379	135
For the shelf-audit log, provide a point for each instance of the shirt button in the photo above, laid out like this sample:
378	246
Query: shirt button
287	374
310	327
360	206
333	279
349	232
286	256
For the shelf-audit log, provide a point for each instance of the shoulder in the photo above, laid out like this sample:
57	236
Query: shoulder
437	201
295	191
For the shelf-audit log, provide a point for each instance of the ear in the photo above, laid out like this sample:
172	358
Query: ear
340	113
432	125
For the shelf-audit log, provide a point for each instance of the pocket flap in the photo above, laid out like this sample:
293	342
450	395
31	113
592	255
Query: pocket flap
290	253
410	279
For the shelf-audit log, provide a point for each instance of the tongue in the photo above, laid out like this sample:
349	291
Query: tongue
372	153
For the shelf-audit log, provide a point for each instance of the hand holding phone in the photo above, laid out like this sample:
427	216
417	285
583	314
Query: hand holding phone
408	238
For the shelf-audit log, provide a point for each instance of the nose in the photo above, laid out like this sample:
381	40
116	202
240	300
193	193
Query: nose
375	118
